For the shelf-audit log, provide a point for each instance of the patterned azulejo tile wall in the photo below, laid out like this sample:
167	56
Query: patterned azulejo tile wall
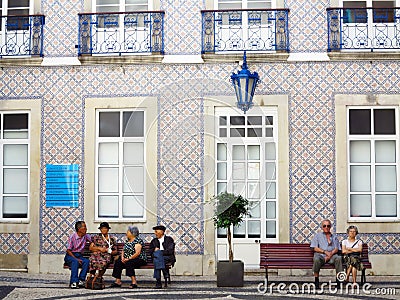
180	90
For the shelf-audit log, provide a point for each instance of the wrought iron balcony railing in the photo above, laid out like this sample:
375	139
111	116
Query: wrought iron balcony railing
245	29
363	28
121	33
21	35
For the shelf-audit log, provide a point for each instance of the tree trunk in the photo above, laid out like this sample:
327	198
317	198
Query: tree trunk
230	244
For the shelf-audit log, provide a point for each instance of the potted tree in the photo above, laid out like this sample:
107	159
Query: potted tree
230	210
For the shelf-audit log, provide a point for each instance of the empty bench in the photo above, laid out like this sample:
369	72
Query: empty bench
120	246
298	256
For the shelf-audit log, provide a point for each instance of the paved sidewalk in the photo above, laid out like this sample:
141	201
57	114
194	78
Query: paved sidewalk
15	285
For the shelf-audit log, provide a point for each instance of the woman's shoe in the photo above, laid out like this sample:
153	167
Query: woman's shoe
115	285
133	286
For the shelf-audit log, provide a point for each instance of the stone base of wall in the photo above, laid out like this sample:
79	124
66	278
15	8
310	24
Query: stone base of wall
14	261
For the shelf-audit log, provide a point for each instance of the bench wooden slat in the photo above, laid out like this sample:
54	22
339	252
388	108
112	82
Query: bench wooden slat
297	256
120	247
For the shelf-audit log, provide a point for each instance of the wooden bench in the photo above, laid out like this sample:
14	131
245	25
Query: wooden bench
298	256
120	246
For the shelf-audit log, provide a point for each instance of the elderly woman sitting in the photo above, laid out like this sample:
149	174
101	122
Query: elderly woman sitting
351	248
102	247
133	256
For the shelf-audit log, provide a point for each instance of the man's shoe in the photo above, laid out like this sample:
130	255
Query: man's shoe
158	284
81	283
74	285
316	283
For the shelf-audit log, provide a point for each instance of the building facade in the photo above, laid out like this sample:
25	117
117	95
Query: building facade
122	111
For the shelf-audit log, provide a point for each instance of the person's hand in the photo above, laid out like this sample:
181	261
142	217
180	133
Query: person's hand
156	249
79	260
328	255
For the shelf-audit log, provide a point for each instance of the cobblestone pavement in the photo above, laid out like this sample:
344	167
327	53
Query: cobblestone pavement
16	285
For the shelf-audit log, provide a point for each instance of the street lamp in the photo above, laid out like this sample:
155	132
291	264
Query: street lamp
245	84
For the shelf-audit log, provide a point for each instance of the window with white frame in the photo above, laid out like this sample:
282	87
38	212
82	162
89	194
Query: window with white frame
373	158
121	5
14	8
244	4
14	164
120	164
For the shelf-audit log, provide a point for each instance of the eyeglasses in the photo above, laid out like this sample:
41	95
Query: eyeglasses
325	225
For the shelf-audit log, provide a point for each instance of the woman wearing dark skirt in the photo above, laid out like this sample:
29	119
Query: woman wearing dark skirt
133	256
351	248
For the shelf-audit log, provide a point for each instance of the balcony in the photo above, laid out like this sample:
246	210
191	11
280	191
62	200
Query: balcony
261	30
21	36
121	33
371	29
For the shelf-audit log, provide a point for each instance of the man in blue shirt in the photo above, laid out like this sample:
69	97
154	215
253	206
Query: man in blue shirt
326	246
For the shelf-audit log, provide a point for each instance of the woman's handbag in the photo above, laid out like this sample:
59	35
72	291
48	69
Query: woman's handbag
94	282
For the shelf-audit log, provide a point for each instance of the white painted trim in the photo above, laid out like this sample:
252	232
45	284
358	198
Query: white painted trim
182	59
61	61
310	56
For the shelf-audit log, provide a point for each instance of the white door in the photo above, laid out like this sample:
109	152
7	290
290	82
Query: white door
246	159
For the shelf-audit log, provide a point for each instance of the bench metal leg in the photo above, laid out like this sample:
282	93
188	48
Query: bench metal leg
266	274
363	277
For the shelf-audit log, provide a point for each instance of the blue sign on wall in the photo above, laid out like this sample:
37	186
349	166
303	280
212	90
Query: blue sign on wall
62	185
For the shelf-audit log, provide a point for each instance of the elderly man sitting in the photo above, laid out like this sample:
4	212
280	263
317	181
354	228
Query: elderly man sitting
162	249
326	246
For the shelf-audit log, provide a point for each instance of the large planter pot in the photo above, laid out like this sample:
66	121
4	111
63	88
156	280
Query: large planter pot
230	274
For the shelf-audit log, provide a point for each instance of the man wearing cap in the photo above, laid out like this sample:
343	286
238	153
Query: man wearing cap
74	256
162	249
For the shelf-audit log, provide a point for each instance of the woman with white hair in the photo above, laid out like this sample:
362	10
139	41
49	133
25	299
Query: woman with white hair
133	256
351	248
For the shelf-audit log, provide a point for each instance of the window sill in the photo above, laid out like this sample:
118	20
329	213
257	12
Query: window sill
346	55
235	57
126	59
21	61
353	220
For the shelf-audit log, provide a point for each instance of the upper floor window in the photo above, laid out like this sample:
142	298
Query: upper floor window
373	159
120	164
364	25
15	8
14	164
121	5
251	25
244	4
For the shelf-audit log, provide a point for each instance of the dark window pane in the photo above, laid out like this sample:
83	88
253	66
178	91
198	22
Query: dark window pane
383	11
237	132
109	124
238	235
254	120
269	132
360	121
17	23
133	124
15	121
254	235
384	121
254	132
353	13
18	3
237	120
269	120
16	215
222	120
222	132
